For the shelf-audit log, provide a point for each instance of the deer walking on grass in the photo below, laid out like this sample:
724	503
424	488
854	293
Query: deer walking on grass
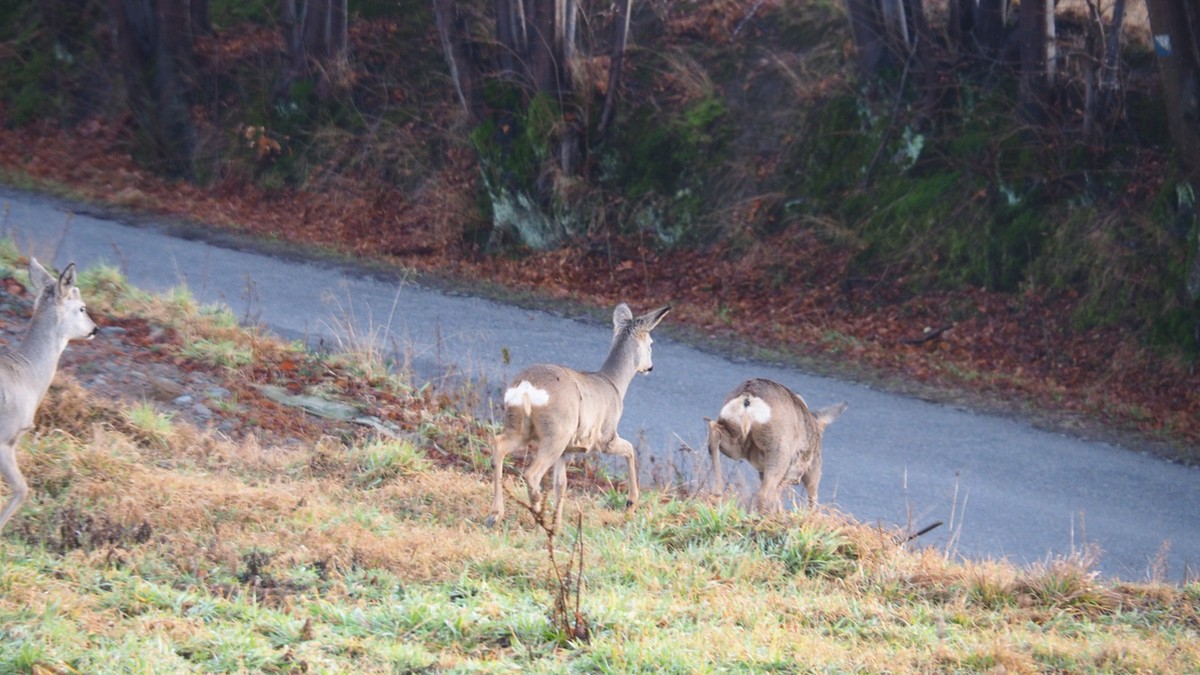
766	424
557	410
59	316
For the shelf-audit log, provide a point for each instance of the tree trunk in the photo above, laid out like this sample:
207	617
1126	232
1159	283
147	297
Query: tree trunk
990	19
866	23
1102	81
155	50
1037	55
1112	49
961	23
315	38
510	33
897	32
570	149
1175	25
315	29
570	17
928	76
293	61
544	65
328	33
616	63
200	22
462	69
918	24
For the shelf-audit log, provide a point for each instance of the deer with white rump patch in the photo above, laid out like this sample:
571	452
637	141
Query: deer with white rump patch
26	370
766	424
557	410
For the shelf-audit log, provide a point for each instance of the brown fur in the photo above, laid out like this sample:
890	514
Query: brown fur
581	414
785	449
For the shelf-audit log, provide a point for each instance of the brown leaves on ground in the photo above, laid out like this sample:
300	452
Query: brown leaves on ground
789	293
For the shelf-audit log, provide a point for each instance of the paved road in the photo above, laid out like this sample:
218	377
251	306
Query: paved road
1003	488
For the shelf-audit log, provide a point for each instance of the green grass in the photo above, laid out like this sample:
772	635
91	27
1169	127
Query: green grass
380	461
218	352
731	597
8	250
148	424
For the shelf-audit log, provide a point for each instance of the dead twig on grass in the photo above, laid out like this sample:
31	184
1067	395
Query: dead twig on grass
570	621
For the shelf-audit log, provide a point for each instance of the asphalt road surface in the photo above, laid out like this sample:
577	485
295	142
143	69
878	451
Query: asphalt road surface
1002	488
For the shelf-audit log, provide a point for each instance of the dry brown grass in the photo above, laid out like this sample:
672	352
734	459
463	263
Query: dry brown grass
200	498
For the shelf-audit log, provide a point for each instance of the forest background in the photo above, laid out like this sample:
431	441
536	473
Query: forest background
980	197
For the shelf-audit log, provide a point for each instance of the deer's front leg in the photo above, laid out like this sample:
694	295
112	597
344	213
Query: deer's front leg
718	477
12	476
620	446
560	491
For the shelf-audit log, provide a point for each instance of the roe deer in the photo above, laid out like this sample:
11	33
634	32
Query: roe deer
766	424
59	316
558	410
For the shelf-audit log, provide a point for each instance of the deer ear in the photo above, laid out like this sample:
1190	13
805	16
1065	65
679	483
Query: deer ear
651	319
621	316
66	280
829	413
39	278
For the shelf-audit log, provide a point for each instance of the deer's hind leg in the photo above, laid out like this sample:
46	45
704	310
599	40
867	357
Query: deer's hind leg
560	490
768	499
16	482
547	452
502	446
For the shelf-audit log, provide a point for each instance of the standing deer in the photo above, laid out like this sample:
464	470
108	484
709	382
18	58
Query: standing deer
766	424
558	410
59	316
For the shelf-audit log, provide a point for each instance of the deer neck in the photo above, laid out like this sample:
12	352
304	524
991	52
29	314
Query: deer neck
41	347
619	367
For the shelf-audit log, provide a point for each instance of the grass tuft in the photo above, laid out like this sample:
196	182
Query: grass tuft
381	461
224	353
148	424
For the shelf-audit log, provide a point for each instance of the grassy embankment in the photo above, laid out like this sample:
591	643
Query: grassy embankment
154	546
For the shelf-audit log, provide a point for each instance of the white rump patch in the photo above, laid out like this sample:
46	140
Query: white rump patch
515	396
746	409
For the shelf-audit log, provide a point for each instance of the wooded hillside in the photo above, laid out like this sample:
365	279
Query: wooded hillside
974	194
